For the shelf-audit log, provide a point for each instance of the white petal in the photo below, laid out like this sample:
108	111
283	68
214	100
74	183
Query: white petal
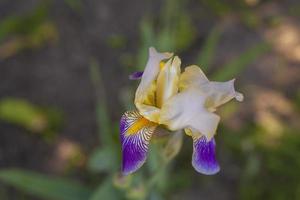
151	71
167	81
145	94
187	110
219	93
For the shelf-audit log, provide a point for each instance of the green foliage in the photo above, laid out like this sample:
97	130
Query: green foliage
173	31
103	118
236	66
147	39
116	41
75	5
22	113
23	25
209	48
176	29
219	7
106	190
277	176
297	101
33	118
104	159
33	30
263	168
185	32
44	186
250	18
294	10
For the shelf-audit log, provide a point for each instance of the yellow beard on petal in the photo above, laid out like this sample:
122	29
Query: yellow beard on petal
194	134
138	125
161	65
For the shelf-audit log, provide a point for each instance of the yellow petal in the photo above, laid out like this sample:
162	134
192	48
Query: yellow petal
167	81
193	76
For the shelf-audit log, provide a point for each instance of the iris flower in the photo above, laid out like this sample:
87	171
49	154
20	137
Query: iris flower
176	101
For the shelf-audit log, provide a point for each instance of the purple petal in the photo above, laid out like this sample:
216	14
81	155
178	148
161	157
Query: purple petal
135	135
204	158
136	75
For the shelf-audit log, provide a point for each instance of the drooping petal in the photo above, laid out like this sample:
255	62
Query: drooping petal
217	93
135	135
204	156
167	81
187	110
136	75
145	94
173	145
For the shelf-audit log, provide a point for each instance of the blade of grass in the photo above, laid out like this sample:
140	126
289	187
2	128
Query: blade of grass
148	39
237	65
104	160
44	186
75	5
106	191
103	117
208	51
23	24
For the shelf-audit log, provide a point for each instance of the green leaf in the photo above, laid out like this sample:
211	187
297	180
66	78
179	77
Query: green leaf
44	186
154	195
22	113
185	32
148	39
106	191
75	5
208	51
218	7
103	118
103	160
154	158
31	117
234	67
116	41
165	40
173	146
176	31
23	24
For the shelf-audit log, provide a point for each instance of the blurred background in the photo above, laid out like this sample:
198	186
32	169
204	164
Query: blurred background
64	67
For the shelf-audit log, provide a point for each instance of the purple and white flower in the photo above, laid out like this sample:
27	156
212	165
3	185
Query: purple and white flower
178	101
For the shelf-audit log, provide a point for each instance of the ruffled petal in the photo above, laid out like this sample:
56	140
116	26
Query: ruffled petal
167	81
204	156
145	94
135	135
217	93
136	75
187	110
